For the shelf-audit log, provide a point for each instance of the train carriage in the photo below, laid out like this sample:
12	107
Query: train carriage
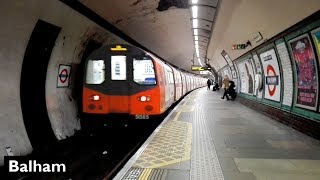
178	84
124	79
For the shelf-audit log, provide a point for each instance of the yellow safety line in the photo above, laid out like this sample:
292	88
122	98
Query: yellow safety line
145	174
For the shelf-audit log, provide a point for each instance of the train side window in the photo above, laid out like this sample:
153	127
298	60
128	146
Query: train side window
143	72
118	68
95	72
171	77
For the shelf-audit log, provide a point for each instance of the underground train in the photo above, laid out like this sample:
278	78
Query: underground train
124	79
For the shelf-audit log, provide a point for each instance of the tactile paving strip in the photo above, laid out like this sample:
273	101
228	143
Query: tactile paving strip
204	160
171	145
145	174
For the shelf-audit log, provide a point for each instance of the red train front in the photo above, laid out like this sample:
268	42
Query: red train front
123	79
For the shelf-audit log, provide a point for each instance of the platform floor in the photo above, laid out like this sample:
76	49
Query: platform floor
208	138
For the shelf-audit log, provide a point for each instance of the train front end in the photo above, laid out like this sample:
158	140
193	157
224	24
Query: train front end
121	79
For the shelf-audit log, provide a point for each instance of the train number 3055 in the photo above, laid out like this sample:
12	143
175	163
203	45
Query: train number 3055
142	116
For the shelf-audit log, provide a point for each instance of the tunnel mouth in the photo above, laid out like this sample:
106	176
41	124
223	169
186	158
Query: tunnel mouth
33	82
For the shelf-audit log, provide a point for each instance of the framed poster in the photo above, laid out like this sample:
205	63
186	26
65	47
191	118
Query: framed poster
306	72
246	76
272	86
316	39
230	63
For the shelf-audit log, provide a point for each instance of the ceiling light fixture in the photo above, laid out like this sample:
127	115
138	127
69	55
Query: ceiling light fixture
194	11
195	23
195	32
196	42
196	38
194	1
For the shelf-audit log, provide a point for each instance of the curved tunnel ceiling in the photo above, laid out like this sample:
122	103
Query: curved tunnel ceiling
165	26
166	32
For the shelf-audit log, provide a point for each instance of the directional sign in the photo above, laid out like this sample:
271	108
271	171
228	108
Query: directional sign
199	68
63	75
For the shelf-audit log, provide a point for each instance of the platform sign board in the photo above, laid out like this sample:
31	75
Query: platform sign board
272	87
306	72
63	75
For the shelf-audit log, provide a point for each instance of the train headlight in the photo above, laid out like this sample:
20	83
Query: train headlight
95	98
144	98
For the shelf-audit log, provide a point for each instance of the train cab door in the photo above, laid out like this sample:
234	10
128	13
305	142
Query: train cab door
120	86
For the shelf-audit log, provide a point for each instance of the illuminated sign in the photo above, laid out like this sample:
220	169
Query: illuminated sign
239	46
118	48
199	68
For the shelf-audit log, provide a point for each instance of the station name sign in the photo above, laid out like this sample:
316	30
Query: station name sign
199	68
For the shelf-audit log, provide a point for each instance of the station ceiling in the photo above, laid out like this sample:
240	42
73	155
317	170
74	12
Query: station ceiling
165	26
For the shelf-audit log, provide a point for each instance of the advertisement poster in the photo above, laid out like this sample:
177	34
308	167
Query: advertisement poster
230	63
246	76
258	71
272	87
316	39
306	72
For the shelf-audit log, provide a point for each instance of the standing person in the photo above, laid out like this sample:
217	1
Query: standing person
225	85
209	84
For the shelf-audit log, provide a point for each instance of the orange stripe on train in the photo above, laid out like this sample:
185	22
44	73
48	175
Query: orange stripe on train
146	102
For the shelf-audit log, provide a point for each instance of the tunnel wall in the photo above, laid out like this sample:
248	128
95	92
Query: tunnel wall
18	19
290	72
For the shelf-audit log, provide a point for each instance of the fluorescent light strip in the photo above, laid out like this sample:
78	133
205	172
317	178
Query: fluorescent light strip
195	32
194	1
196	38
195	23
196	42
194	11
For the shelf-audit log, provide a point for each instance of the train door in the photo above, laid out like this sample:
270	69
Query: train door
119	76
169	86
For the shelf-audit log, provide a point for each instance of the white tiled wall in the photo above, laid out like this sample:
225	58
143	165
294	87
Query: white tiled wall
287	74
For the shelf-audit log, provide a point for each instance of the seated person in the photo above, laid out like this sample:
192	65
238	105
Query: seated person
231	91
215	87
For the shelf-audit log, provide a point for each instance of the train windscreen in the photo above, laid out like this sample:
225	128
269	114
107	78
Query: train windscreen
95	72
143	72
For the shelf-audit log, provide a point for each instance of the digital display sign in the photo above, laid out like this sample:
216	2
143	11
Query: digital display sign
199	68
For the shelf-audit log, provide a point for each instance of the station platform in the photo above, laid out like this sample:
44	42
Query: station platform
208	138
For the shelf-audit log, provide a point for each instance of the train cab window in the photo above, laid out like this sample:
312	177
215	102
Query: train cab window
143	72
118	68
95	72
